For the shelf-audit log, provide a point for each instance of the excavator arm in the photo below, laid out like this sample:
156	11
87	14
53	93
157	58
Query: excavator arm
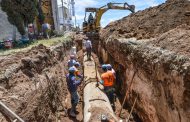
100	11
116	6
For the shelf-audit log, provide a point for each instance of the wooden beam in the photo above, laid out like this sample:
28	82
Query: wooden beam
9	113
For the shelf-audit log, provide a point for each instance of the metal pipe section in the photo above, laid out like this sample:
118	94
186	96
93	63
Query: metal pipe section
96	103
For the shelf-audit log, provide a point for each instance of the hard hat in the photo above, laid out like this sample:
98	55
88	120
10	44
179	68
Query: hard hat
109	67
72	56
104	67
77	64
71	70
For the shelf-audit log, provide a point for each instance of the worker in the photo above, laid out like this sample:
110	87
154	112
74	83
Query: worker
73	51
88	46
46	28
107	80
31	31
90	19
76	66
73	84
109	67
72	61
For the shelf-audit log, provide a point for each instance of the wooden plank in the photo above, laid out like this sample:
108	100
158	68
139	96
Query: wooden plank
9	113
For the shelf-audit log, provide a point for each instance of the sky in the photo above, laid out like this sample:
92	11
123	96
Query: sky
110	15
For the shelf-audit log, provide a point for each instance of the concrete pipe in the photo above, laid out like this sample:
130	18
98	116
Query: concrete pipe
96	103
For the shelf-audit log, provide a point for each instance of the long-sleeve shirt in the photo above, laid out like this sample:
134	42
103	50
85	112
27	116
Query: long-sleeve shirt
71	63
72	83
77	73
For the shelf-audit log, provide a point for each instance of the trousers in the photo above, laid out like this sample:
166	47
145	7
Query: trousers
74	100
110	92
88	51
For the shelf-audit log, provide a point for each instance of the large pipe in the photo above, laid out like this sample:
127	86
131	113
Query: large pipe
96	103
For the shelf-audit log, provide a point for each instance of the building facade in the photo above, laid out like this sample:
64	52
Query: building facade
66	14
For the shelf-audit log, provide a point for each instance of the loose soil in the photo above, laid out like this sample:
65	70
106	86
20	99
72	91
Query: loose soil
166	25
33	84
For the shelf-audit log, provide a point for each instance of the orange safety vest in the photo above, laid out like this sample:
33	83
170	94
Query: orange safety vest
108	78
76	71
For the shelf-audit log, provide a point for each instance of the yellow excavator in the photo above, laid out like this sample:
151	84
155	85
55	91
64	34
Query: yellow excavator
93	23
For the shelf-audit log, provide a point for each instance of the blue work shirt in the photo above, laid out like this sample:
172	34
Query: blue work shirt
72	83
71	63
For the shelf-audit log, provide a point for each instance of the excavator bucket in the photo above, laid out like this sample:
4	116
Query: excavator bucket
91	9
132	8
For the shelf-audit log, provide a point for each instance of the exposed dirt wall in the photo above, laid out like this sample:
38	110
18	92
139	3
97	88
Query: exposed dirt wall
32	83
154	43
161	79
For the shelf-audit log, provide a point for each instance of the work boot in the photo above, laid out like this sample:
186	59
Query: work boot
72	113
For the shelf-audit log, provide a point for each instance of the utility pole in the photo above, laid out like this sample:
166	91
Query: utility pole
75	22
63	13
73	10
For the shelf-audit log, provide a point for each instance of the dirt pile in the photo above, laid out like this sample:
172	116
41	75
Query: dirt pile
176	40
150	22
32	83
78	40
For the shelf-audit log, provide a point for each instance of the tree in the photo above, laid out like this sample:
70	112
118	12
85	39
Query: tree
41	16
20	12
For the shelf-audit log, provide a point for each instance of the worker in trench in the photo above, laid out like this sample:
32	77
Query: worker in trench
77	73
88	46
110	68
73	84
72	61
107	80
46	28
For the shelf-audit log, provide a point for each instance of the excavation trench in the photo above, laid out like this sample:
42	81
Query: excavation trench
160	81
33	84
96	103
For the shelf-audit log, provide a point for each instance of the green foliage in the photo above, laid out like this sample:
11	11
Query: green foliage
20	12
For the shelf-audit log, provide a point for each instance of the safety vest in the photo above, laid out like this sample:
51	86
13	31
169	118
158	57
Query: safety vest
108	78
76	73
